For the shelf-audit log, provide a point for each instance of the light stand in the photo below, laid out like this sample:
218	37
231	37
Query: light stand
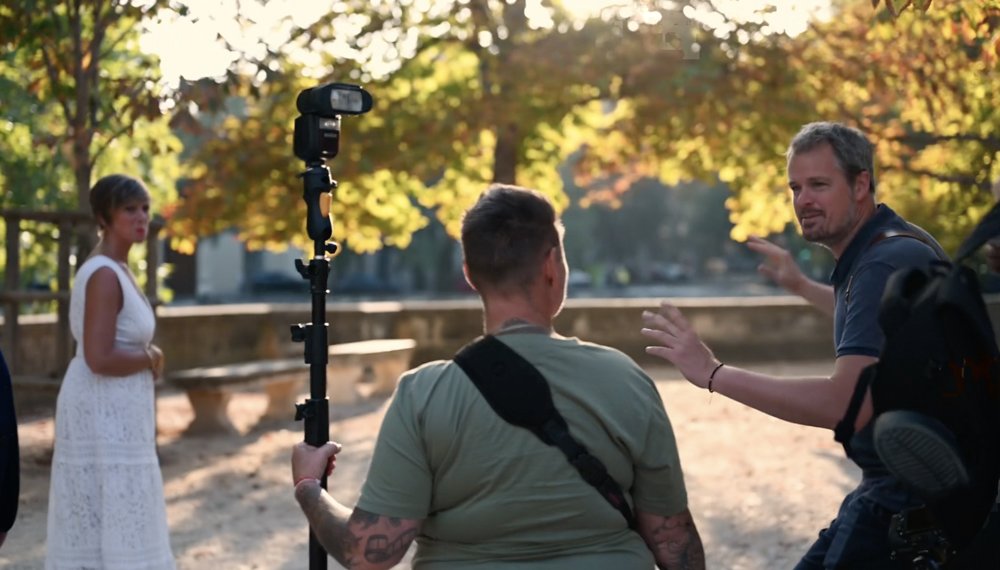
317	138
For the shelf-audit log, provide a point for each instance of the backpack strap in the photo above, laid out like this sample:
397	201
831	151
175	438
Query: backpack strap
520	395
925	239
884	235
844	430
988	227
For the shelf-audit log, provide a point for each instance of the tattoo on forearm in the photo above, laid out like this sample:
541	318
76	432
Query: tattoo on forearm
329	521
381	548
355	538
677	544
364	518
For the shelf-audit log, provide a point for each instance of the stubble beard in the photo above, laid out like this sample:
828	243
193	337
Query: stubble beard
831	237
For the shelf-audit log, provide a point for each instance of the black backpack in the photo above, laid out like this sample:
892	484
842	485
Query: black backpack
940	367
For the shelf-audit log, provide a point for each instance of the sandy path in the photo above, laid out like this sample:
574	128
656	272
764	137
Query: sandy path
760	489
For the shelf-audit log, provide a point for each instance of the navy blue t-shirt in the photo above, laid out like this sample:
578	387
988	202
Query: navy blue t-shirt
859	280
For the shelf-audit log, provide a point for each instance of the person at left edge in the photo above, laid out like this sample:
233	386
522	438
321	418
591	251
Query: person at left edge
10	474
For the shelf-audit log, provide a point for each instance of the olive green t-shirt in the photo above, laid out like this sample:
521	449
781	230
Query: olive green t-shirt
493	495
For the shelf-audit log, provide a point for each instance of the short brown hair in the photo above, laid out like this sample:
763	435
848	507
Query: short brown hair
113	192
506	234
854	152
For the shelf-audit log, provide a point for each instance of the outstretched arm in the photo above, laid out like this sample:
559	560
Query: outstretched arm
674	540
357	539
779	266
815	401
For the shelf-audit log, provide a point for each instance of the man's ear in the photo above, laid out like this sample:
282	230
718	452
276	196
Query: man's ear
550	265
465	272
861	184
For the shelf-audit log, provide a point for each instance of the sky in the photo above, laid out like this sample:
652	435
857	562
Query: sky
189	47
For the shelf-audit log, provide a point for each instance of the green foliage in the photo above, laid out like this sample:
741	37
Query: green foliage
924	86
473	94
474	91
29	171
80	100
81	88
926	89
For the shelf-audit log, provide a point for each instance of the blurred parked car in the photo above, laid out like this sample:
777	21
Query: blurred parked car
578	279
669	273
278	282
363	284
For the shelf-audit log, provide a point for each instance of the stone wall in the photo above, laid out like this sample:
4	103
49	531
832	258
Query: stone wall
744	329
737	329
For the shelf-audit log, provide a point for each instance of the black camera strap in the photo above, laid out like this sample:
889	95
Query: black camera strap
520	395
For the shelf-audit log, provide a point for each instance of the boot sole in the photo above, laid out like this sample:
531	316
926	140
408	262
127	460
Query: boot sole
921	452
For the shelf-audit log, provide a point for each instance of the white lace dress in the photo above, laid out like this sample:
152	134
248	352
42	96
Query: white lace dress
106	506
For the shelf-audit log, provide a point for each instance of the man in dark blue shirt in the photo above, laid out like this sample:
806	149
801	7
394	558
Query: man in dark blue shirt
9	454
832	179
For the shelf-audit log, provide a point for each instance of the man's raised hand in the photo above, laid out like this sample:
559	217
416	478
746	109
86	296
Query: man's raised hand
778	265
678	343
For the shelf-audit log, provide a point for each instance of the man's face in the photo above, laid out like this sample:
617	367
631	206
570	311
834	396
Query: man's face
826	205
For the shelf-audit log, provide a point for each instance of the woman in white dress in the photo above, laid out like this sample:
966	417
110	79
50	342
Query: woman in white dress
106	506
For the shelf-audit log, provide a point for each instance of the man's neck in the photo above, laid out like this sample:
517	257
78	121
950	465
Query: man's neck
867	214
511	314
518	325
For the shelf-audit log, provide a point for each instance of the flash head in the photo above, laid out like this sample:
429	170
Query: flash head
334	99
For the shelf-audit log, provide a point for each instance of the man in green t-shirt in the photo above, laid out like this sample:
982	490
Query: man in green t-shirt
477	492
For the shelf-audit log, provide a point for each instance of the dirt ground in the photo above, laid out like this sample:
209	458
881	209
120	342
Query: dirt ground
760	489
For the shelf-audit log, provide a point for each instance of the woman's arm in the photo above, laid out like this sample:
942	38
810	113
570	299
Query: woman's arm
100	318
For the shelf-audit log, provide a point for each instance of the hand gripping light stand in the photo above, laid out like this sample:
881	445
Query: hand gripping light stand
317	138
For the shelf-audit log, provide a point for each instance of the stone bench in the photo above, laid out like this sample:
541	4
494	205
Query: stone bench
355	370
367	368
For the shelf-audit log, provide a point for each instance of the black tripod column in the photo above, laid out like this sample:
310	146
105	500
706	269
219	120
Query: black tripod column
317	138
315	412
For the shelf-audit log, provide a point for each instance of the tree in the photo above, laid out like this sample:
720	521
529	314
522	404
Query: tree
923	85
485	90
927	90
82	91
466	93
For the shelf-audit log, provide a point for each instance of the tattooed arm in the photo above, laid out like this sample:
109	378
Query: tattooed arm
357	539
674	540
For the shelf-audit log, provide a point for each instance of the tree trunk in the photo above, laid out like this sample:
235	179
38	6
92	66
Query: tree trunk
507	151
86	236
82	168
85	80
505	154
